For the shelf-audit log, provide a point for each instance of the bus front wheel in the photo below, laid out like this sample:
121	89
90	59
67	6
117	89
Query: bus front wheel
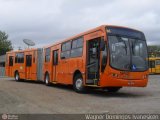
113	89
78	84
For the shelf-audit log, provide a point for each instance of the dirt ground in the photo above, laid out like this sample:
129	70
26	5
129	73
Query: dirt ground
32	97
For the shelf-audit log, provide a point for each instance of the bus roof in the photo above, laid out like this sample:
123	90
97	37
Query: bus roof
26	50
102	27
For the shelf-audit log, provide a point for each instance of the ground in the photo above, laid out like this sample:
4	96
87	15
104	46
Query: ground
33	97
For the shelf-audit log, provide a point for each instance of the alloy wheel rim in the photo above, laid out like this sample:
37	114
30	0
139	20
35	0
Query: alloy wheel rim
46	79
78	83
17	76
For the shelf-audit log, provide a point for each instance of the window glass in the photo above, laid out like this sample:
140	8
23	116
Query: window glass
68	46
157	62
29	60
74	44
19	58
10	60
63	47
76	52
77	47
55	58
65	54
47	55
80	42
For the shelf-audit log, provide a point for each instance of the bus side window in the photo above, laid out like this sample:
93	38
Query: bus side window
77	47
28	60
65	50
10	60
55	59
47	55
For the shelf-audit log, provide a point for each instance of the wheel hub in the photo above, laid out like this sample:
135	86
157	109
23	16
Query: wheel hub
78	83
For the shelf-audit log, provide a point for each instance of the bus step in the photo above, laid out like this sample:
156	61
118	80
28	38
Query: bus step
92	81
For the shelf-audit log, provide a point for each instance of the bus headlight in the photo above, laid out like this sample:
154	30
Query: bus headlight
114	75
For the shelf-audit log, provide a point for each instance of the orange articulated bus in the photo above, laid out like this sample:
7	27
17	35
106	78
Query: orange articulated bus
24	64
108	57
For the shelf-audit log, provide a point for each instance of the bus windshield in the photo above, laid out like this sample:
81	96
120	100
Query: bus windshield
128	53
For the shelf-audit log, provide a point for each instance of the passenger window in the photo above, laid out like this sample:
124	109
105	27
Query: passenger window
47	55
63	47
28	60
66	47
77	47
55	55
74	44
19	58
10	60
80	42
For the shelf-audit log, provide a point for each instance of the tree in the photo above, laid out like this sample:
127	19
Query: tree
5	44
154	50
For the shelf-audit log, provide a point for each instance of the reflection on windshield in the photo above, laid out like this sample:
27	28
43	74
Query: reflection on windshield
128	54
139	54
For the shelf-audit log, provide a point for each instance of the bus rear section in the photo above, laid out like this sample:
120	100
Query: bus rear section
25	64
108	57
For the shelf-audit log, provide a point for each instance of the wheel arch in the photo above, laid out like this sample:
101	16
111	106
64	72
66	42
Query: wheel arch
76	73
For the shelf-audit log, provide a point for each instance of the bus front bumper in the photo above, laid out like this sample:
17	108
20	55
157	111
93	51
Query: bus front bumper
116	82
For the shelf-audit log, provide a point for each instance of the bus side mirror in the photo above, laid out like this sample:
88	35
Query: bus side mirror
102	45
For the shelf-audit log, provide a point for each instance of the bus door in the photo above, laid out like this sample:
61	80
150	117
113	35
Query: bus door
28	66
152	66
10	69
55	65
93	61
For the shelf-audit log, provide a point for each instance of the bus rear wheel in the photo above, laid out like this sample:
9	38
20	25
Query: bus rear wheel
16	76
113	89
78	84
47	80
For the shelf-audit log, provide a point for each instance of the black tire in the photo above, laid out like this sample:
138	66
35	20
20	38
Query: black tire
78	84
17	77
47	80
113	89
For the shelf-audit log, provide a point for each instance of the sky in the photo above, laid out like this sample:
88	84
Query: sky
48	21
